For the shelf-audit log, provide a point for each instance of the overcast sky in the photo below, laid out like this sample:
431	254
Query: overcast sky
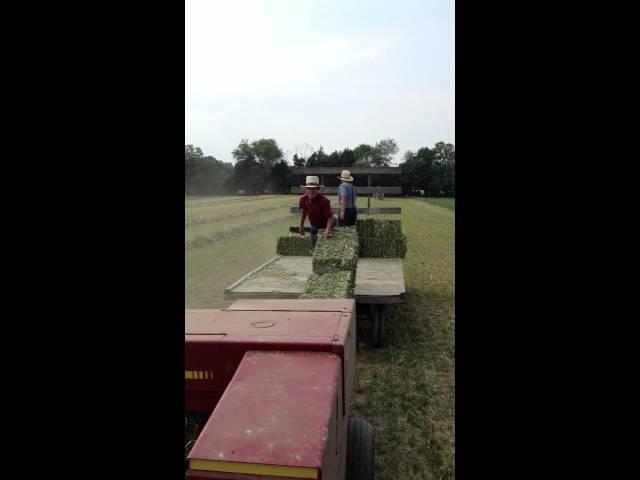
319	73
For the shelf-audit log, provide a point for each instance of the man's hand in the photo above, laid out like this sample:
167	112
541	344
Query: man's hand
301	231
342	215
328	233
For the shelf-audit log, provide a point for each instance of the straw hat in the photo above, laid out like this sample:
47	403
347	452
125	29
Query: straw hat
311	182
346	176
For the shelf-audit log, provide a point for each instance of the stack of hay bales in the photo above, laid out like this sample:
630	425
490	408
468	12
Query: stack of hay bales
294	244
381	237
334	264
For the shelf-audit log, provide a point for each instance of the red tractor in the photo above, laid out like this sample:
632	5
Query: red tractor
276	377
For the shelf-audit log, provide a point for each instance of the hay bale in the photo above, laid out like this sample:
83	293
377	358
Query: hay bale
380	248
385	227
381	237
337	253
330	285
294	244
371	247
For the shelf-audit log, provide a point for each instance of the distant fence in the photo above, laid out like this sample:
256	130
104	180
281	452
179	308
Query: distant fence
353	170
359	190
366	211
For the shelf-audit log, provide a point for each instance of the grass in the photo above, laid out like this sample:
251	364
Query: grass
191	220
199	201
449	203
211	268
406	389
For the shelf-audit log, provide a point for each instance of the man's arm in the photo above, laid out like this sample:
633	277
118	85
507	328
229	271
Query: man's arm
329	229
303	217
344	202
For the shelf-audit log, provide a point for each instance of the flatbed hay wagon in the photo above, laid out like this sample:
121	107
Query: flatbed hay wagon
274	372
277	378
379	282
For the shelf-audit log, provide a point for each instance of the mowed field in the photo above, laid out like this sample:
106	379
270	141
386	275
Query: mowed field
406	389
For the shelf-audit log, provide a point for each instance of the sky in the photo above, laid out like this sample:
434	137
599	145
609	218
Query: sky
311	73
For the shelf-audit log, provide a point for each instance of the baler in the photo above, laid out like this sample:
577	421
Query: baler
276	377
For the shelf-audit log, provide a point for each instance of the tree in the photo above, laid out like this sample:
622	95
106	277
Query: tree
266	152
215	174
432	170
416	170
379	155
280	178
243	151
317	159
363	155
333	160
204	175
254	164
298	162
304	151
444	162
192	156
248	176
347	158
384	152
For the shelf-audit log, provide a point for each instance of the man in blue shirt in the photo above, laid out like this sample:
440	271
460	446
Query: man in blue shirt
347	200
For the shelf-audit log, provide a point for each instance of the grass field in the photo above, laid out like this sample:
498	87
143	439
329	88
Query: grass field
449	203
406	389
211	268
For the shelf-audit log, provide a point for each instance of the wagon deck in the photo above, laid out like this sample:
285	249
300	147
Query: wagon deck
379	281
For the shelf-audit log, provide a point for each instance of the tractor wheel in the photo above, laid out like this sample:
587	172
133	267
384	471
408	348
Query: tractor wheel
360	450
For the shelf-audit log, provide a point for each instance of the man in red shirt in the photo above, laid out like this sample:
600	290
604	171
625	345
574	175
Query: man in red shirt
317	207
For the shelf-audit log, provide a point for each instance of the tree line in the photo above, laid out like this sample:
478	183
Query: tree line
261	167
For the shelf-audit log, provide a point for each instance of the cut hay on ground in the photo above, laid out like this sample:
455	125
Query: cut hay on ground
189	221
209	238
223	200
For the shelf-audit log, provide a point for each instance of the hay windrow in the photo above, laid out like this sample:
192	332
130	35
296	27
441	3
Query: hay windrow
233	199
208	238
229	215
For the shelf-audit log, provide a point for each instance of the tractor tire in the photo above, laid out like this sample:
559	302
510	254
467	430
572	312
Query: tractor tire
361	448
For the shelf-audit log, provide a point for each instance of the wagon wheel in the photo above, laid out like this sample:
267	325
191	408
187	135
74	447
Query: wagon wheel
360	450
377	338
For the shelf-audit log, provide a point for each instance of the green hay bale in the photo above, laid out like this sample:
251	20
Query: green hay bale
330	285
294	244
371	247
379	227
401	246
383	248
381	237
339	252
